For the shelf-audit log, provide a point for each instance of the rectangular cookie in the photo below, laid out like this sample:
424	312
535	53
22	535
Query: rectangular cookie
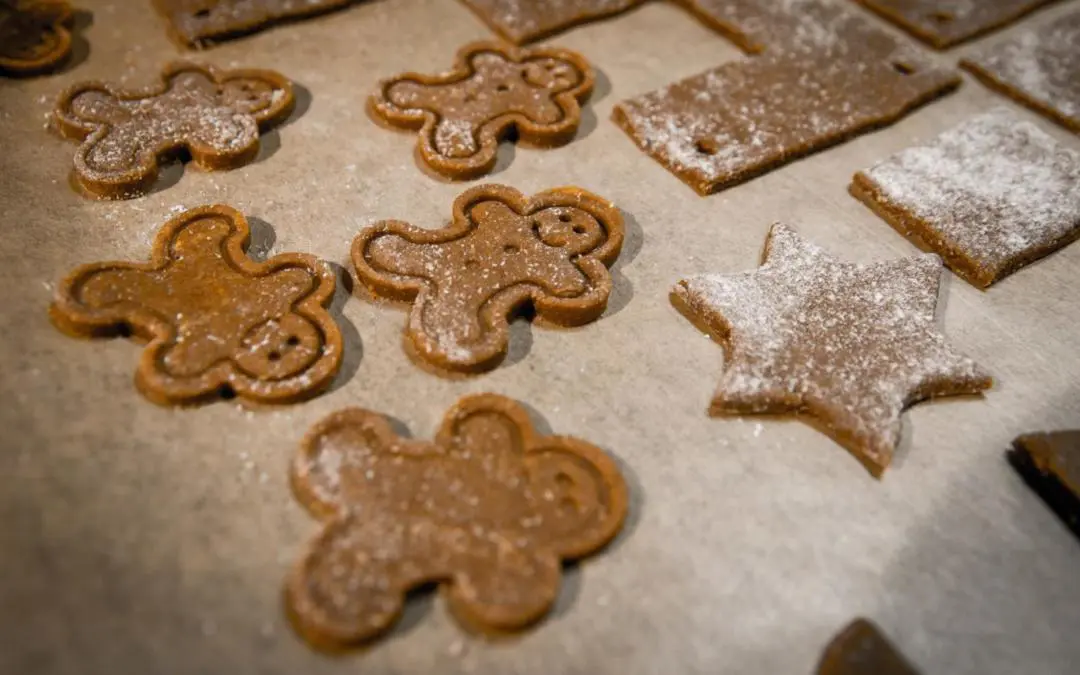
989	196
197	22
743	118
1039	68
754	25
944	23
522	21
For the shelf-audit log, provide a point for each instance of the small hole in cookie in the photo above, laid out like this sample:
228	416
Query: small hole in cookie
226	393
579	229
511	248
470	263
706	146
903	68
274	356
564	218
563	479
503	87
941	16
568	504
202	13
469	97
292	341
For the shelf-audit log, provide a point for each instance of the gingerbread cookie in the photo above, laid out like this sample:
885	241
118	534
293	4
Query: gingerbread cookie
488	511
1038	68
1050	464
216	116
521	21
197	22
34	35
850	345
862	649
755	26
744	118
503	250
990	196
217	322
944	23
492	90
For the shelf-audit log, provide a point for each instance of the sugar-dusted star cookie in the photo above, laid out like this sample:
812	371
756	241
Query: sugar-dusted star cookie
488	511
217	323
850	345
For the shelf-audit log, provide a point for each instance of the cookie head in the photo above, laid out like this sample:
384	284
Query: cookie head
280	348
569	228
255	96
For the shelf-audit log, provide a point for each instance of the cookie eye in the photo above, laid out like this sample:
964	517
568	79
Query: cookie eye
502	87
511	248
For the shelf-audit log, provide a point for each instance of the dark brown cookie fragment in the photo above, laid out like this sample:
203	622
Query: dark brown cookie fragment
34	35
1050	464
197	22
1039	68
861	649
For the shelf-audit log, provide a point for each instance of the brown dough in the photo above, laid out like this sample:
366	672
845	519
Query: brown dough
197	22
743	118
502	251
492	90
990	196
217	322
944	23
34	35
1050	464
1039	68
521	21
851	346
216	116
862	649
488	511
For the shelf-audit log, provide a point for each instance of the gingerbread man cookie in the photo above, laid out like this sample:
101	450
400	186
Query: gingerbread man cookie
217	322
502	250
34	35
216	116
488	511
462	114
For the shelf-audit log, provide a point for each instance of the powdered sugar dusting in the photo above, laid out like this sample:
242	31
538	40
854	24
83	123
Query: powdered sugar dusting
1041	66
526	19
852	344
996	188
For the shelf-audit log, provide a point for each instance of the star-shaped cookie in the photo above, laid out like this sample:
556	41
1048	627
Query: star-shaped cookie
850	345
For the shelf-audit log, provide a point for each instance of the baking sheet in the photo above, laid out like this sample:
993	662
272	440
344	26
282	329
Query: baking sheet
135	538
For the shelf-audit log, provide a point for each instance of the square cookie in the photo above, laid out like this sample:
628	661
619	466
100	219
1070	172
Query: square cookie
1039	68
944	23
197	22
522	21
989	196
